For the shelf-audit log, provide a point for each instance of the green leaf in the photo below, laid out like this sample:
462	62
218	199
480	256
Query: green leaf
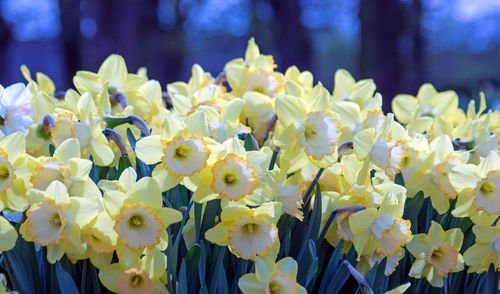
313	266
192	262
66	283
131	139
332	267
197	220
182	287
21	274
202	267
52	149
123	164
248	144
174	253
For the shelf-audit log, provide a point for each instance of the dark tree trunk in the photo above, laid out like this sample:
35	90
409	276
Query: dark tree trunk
5	35
381	27
70	36
290	35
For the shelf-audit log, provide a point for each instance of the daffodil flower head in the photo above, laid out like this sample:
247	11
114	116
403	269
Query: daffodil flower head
46	223
233	177
140	219
138	227
185	155
247	232
16	110
271	277
486	250
319	134
346	88
437	254
477	188
134	279
55	221
13	179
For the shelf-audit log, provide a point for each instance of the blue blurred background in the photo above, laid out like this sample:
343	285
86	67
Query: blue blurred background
455	44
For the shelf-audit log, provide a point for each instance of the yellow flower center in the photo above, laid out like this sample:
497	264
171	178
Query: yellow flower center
55	220
182	152
274	287
4	172
487	187
136	220
310	132
138	227
443	258
134	281
230	178
280	283
250	236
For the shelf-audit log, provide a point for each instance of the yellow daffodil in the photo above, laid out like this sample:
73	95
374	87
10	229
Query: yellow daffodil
485	251
270	277
81	122
113	88
437	254
67	167
237	176
346	88
14	177
432	176
428	108
140	221
55	220
247	232
308	129
254	73
385	148
477	187
382	231
42	84
180	154
8	235
143	277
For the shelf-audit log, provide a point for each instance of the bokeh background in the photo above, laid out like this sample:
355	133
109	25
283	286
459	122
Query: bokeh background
455	44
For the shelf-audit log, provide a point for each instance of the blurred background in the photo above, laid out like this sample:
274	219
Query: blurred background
455	44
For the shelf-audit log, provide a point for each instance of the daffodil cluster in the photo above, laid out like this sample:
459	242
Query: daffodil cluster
92	170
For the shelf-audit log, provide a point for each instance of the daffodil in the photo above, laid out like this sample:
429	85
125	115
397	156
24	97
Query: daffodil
236	176
8	235
16	110
436	253
430	110
56	220
143	277
79	120
180	154
113	88
308	129
67	167
432	176
254	73
247	232
381	230
14	177
271	277
485	251
140	221
477	187
385	148
346	88
42	83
